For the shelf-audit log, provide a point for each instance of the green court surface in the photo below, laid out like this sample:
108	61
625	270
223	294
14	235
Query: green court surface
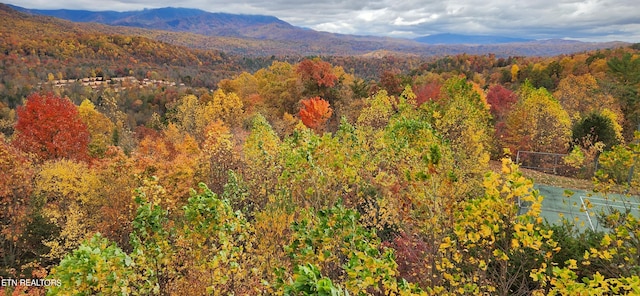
582	206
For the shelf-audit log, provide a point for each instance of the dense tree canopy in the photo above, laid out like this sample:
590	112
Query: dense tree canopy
302	178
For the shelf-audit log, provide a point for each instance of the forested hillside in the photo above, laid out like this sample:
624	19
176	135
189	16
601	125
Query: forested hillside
130	166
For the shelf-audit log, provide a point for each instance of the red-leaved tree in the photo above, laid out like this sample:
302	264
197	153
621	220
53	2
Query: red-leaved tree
428	92
501	101
316	75
314	112
50	127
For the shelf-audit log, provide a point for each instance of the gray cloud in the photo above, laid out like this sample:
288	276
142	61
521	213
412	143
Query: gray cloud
590	20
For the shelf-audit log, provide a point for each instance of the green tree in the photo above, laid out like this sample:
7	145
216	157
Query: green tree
345	252
626	73
218	241
309	281
595	128
153	240
96	267
619	165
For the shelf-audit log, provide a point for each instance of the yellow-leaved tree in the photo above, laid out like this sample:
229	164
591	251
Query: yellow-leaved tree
581	95
227	107
175	159
218	150
493	248
462	117
260	155
69	191
611	264
279	88
99	126
192	116
378	111
537	123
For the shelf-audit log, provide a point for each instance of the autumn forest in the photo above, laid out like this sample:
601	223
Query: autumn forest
131	166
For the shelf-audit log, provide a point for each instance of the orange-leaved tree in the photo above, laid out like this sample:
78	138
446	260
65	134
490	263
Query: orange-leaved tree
16	176
50	127
314	112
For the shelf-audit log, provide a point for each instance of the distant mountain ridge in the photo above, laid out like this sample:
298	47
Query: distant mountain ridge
261	35
448	38
174	19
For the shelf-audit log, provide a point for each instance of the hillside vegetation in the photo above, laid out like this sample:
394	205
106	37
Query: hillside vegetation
194	172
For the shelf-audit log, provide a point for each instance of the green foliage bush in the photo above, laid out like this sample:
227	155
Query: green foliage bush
96	267
333	243
309	281
621	164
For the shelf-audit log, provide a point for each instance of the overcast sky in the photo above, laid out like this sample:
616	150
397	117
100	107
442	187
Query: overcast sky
591	20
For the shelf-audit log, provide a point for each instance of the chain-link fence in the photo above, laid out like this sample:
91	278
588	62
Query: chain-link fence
552	163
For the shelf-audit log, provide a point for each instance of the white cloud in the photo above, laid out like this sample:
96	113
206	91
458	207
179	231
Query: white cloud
340	26
400	21
371	15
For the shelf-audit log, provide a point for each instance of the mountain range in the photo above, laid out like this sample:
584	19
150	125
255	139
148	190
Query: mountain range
448	38
268	35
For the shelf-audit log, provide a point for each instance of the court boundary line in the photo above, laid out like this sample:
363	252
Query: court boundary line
604	204
586	211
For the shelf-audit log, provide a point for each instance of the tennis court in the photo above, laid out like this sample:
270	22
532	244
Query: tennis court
582	206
